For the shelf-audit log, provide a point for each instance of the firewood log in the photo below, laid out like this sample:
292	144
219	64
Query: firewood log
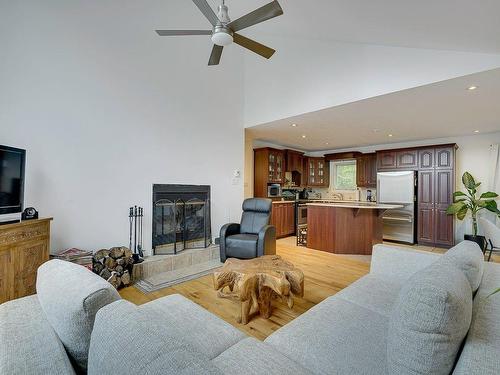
97	267
125	278
116	252
105	274
115	280
100	255
110	263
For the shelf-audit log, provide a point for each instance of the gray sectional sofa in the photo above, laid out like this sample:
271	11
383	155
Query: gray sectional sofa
414	313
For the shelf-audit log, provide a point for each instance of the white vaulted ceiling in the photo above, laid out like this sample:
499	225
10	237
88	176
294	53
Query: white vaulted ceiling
437	110
461	25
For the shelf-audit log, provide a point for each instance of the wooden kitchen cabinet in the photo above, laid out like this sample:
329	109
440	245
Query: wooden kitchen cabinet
366	170
406	159
269	168
436	183
317	171
294	161
386	160
283	218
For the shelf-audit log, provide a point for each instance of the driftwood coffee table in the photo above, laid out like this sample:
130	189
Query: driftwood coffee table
255	282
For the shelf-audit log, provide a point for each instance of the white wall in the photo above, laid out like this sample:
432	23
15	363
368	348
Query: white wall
105	108
308	75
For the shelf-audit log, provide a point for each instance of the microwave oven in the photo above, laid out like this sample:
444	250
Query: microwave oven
274	190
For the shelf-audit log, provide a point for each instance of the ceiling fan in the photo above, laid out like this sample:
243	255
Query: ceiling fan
224	31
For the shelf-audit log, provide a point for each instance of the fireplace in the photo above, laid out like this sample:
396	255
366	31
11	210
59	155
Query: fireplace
181	218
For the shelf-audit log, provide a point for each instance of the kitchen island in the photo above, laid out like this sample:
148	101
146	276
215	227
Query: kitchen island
345	228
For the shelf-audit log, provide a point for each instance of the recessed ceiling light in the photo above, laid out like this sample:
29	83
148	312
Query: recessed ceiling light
389	135
327	143
470	88
303	136
294	125
476	131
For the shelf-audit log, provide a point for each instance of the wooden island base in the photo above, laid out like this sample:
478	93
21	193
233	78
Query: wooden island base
343	230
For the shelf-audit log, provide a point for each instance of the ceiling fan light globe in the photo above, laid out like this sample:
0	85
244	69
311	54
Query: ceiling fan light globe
222	38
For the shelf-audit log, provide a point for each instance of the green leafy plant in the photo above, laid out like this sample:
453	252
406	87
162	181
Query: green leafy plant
465	202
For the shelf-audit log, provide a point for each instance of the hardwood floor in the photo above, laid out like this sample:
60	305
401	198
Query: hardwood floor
325	274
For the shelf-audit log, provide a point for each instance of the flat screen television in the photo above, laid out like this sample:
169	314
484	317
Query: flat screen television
12	163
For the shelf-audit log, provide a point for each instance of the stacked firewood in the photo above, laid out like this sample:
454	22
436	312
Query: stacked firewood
114	265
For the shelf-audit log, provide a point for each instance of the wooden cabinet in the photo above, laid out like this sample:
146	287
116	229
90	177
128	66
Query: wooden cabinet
406	159
317	171
269	168
386	160
23	248
294	161
283	218
436	183
366	170
276	166
426	158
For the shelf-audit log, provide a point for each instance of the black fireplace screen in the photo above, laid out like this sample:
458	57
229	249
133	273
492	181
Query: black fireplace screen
181	218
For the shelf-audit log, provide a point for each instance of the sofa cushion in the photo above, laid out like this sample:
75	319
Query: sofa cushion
467	257
28	344
480	354
188	322
253	357
429	321
372	292
126	341
70	295
335	337
242	245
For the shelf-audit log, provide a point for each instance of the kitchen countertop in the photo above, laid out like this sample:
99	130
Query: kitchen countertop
305	201
366	205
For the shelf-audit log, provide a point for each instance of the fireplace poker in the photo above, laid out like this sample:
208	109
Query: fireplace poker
130	219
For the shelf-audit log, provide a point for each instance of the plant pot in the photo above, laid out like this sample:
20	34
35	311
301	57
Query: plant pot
480	240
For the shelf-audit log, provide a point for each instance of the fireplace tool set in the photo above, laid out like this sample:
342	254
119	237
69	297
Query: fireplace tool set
135	235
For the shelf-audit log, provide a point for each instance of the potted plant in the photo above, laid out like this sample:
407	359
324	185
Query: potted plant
465	202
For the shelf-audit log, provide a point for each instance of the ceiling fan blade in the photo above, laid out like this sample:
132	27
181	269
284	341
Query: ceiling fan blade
262	14
216	55
183	32
207	10
253	46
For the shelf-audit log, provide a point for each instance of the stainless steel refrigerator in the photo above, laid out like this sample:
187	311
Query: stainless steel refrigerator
398	188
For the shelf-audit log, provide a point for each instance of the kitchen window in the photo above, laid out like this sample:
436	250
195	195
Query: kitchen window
344	175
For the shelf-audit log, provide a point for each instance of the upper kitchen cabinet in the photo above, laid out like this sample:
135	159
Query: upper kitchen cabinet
317	171
445	157
366	170
295	165
269	168
407	159
397	159
294	161
386	160
426	157
439	157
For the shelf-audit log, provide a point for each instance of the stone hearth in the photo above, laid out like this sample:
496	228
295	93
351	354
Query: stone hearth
162	271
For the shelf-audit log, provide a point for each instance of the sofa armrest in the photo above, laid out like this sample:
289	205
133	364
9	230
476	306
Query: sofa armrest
399	263
266	244
227	230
